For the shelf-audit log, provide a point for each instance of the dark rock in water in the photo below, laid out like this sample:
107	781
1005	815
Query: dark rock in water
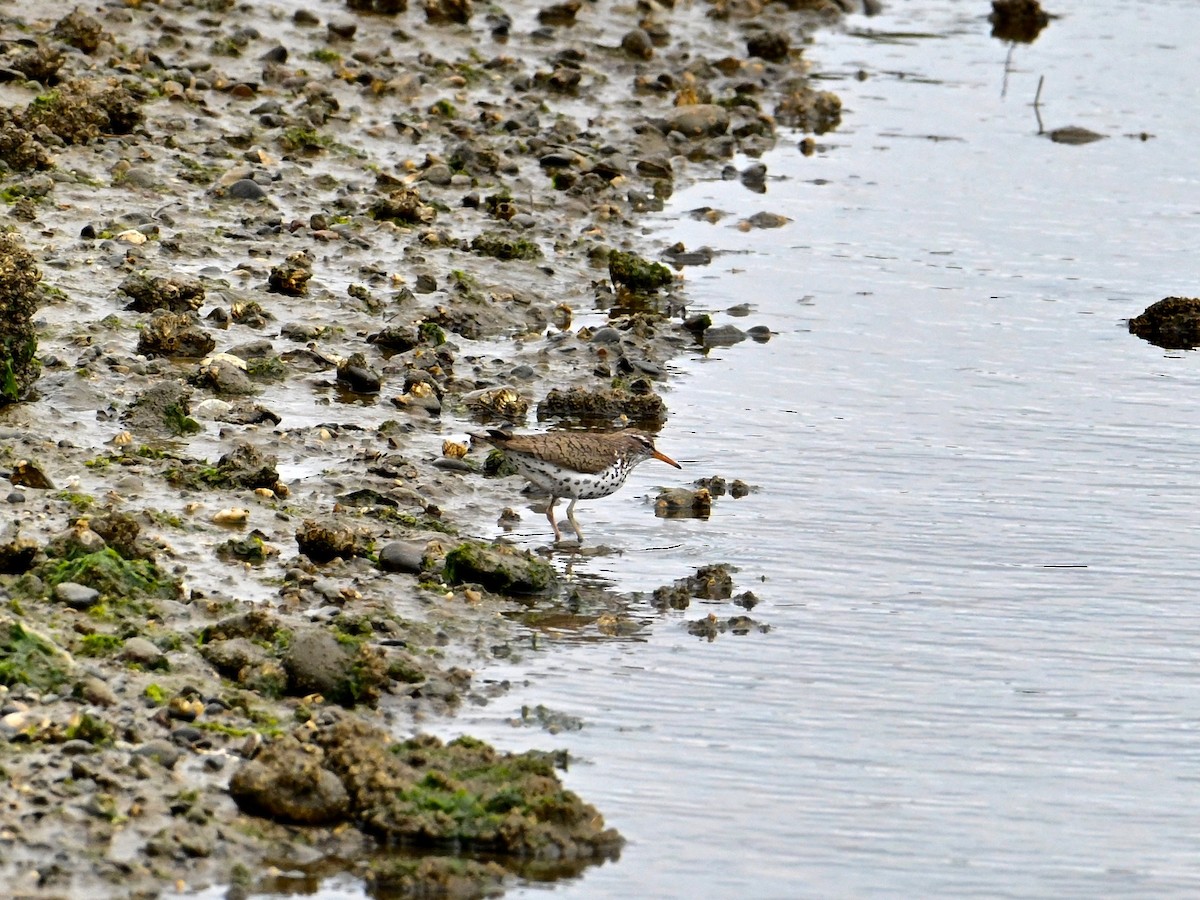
248	467
767	220
678	255
713	582
403	556
773	46
711	626
440	12
560	13
40	63
698	120
177	294
322	543
29	474
683	503
1019	21
225	379
637	44
499	568
1074	134
1172	323
628	270
245	189
80	31
463	793
806	109
754	178
358	376
638	404
379	7
291	276
723	336
172	334
163	407
288	783
20	293
404	206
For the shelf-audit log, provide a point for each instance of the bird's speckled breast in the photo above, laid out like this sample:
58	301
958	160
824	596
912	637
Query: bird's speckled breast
565	483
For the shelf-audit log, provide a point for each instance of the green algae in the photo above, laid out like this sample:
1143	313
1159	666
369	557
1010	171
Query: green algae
28	658
637	274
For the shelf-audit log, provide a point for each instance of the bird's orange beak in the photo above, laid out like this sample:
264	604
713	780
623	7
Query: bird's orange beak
664	458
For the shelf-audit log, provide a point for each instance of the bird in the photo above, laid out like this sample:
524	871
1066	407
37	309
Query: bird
575	464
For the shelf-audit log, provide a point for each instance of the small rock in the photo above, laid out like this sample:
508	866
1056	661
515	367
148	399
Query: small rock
287	782
698	120
637	44
161	751
246	189
143	652
76	596
96	691
403	556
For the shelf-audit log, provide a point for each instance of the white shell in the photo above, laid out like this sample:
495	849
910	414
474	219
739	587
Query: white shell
234	515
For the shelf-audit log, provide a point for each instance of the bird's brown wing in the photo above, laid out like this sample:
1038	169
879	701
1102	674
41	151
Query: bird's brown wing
580	452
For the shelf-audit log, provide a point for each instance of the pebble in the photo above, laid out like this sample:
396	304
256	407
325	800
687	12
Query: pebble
143	652
246	189
402	556
76	596
162	752
723	336
698	120
97	692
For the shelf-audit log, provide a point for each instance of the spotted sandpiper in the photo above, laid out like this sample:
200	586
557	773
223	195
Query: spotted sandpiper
575	464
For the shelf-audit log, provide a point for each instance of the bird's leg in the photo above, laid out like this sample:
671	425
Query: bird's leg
571	519
553	521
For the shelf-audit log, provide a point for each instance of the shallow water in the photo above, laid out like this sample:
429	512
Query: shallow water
974	535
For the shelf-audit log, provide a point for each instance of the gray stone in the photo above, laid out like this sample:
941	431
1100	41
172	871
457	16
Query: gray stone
698	120
143	652
402	556
246	189
76	596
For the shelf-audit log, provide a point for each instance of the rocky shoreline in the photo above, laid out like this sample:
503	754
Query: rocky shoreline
273	256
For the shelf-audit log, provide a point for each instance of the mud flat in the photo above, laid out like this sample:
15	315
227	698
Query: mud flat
265	259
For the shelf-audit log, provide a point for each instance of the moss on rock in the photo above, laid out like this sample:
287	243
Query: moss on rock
499	568
19	297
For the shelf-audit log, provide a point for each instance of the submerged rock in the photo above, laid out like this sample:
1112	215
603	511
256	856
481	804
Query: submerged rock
291	276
